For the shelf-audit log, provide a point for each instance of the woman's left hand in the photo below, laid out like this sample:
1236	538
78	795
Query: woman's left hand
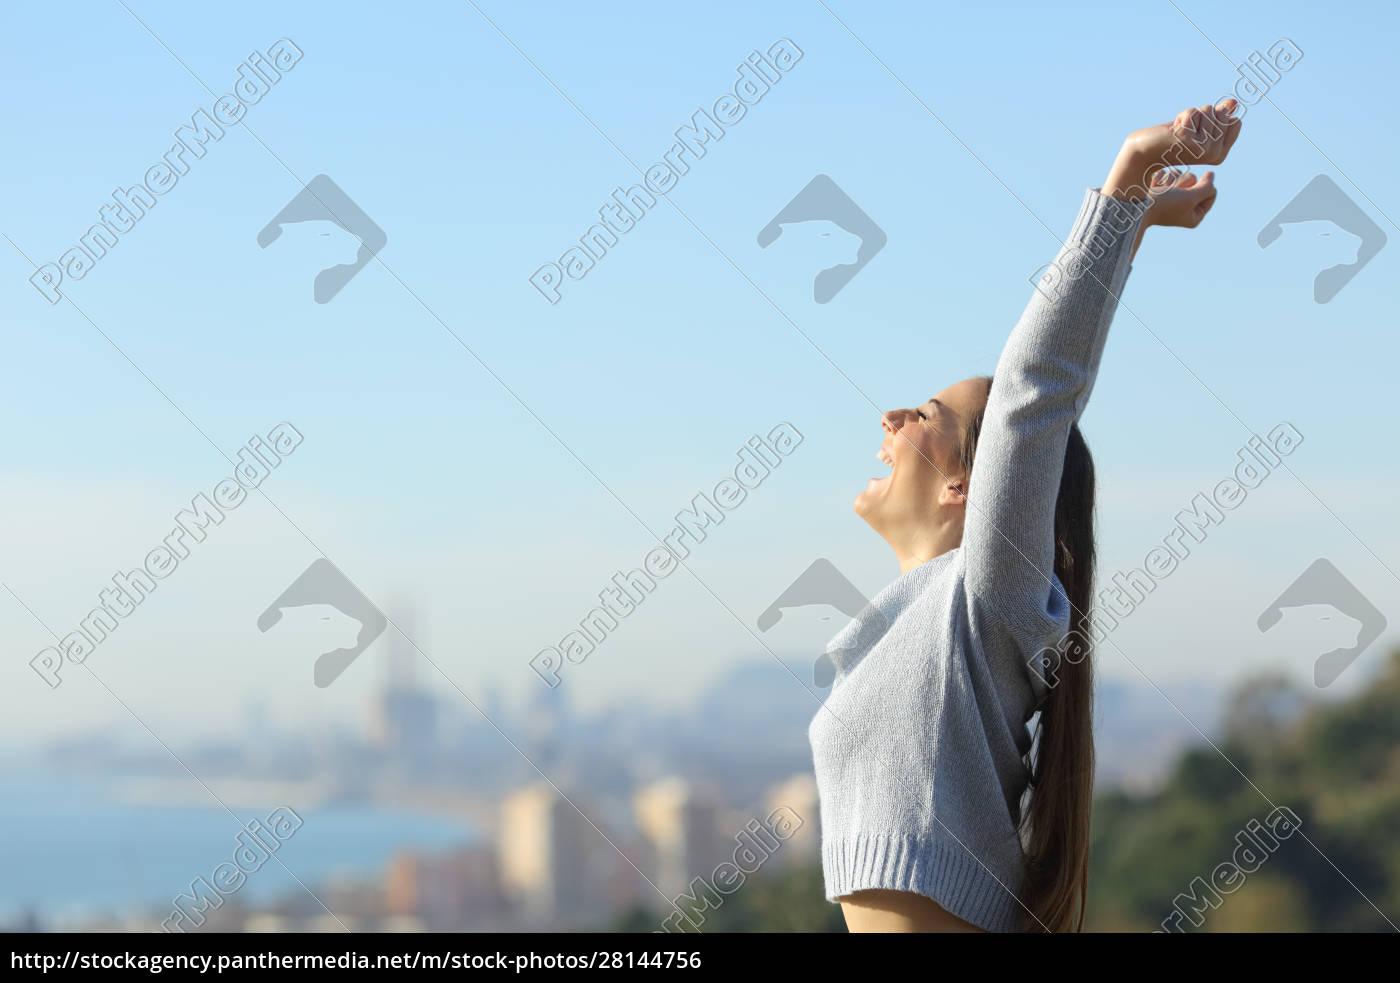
1180	199
1198	135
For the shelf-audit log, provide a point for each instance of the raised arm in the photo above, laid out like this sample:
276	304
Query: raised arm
1047	369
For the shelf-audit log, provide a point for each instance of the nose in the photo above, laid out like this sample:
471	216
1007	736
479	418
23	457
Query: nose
892	420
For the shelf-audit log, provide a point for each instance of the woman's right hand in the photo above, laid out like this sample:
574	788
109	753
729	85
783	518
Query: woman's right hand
1199	135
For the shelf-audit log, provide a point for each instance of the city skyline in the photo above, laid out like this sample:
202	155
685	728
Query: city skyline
408	409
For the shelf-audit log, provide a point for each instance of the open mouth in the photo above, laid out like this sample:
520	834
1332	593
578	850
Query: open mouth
888	459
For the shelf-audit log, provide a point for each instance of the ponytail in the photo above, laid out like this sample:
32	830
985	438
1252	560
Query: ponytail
1055	825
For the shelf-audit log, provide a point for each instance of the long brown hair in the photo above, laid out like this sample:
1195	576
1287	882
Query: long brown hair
1055	826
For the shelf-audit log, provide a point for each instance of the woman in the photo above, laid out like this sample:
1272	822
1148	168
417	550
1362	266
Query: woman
922	751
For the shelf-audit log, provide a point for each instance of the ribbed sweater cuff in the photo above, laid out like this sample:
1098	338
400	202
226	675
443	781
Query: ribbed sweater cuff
1103	220
947	873
1098	208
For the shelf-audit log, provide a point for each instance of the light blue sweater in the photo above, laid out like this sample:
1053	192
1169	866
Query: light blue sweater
919	749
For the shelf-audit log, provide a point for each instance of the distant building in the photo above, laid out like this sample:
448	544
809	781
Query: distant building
268	922
797	795
545	722
402	924
330	924
543	856
447	892
403	716
404	720
681	823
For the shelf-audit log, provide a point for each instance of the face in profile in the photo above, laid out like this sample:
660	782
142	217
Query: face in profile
925	484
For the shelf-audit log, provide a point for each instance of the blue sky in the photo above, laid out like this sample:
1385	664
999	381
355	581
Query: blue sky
436	490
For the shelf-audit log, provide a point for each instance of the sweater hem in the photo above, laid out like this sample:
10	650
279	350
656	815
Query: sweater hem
947	873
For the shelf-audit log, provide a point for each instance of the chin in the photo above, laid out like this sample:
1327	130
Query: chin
866	508
870	498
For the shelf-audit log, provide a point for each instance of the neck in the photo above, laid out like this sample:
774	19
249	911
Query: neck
924	544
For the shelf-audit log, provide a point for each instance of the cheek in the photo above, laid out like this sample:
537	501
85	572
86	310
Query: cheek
925	457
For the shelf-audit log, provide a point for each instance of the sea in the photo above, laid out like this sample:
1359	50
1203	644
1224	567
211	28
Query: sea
72	849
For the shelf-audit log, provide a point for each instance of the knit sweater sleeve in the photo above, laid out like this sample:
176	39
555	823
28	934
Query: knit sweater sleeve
1042	382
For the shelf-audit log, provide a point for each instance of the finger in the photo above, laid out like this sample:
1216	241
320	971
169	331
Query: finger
1178	179
1185	120
1205	193
1232	132
1204	206
1213	138
1199	209
1225	117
